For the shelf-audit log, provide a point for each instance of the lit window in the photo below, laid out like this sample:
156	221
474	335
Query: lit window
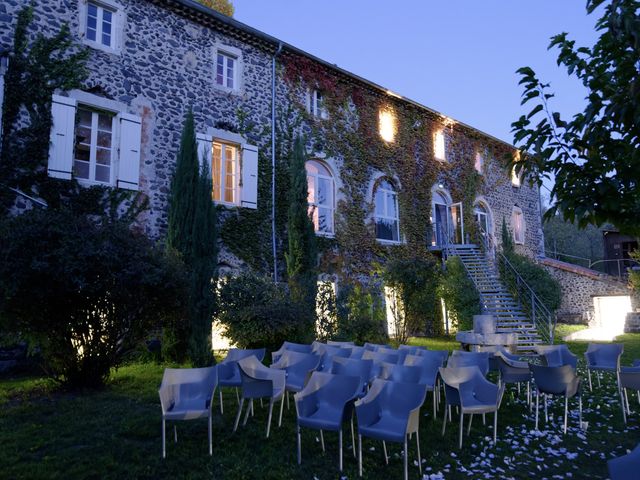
518	226
386	213
316	106
387	125
439	146
226	67
320	188
93	150
225	173
100	25
515	178
479	163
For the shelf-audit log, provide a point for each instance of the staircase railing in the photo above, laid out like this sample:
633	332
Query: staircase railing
541	316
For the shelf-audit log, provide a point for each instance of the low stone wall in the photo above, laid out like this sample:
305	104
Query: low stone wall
632	325
579	286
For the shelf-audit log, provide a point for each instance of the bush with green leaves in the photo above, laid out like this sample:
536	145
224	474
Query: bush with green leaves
84	290
361	315
459	294
415	280
254	312
326	312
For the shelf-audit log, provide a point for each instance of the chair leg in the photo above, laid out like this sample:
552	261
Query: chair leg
406	459
221	404
546	411
384	450
566	408
589	375
353	438
235	425
626	401
175	434
518	389
248	411
288	405
622	404
299	446
580	410
237	396
529	395
495	427
434	402
444	420
210	439
484	419
537	403
598	377
269	418
469	426
281	408
359	455
164	448
340	448
461	428
418	448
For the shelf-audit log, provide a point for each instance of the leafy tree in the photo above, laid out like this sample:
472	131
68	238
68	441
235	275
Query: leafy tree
460	294
223	6
192	233
594	157
37	68
566	237
83	292
302	255
361	314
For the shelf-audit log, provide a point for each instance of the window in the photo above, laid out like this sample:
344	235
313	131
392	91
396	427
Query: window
479	163
225	173
481	214
518	226
439	146
315	105
101	23
320	188
387	125
226	69
386	213
515	178
93	148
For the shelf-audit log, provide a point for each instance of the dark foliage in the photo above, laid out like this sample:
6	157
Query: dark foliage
460	295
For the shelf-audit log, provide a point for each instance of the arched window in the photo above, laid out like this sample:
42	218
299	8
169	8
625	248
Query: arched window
481	214
321	197
386	212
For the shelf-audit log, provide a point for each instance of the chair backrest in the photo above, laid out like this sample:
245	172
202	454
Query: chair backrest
353	367
630	377
191	383
453	377
235	354
553	380
467	359
429	367
557	355
399	398
257	380
299	361
374	346
380	357
400	373
356	352
340	344
442	355
411	349
604	354
625	467
392	351
333	389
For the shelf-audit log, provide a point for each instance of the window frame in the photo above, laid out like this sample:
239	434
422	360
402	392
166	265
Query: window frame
318	112
479	162
225	70
117	24
237	193
93	146
314	205
227	51
379	187
440	134
516	214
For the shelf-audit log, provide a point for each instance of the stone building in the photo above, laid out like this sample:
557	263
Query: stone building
382	170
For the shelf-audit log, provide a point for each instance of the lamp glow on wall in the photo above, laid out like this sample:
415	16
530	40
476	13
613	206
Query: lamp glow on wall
439	145
515	178
387	125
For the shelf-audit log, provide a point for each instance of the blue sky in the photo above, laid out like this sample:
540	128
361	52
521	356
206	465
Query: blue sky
456	56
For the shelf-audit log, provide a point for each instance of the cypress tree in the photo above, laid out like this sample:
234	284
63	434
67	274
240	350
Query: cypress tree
192	233
302	255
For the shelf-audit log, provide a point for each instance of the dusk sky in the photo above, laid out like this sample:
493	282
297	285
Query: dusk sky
457	56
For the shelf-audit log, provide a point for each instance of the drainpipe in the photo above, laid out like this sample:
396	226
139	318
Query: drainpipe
273	161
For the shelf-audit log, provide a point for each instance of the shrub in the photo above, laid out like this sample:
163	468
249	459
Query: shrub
84	293
254	312
361	315
459	294
415	280
326	312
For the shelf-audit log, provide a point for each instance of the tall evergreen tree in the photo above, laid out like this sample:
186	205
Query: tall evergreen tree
192	232
302	256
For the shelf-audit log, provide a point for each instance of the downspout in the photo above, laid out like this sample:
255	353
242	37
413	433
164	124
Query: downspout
273	161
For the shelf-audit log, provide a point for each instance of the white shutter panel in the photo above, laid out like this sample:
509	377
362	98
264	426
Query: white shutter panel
63	114
130	142
205	150
249	189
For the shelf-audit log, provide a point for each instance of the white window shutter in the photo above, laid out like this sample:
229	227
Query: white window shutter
249	190
205	150
61	141
130	143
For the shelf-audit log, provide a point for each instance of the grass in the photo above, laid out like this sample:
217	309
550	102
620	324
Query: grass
115	433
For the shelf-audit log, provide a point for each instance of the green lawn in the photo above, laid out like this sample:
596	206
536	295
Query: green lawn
115	433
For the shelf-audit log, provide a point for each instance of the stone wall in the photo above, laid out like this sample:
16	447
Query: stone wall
579	286
165	65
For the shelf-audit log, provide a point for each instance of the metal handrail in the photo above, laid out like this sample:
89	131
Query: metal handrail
537	307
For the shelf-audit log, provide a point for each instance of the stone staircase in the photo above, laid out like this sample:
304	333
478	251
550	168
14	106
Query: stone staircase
496	298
